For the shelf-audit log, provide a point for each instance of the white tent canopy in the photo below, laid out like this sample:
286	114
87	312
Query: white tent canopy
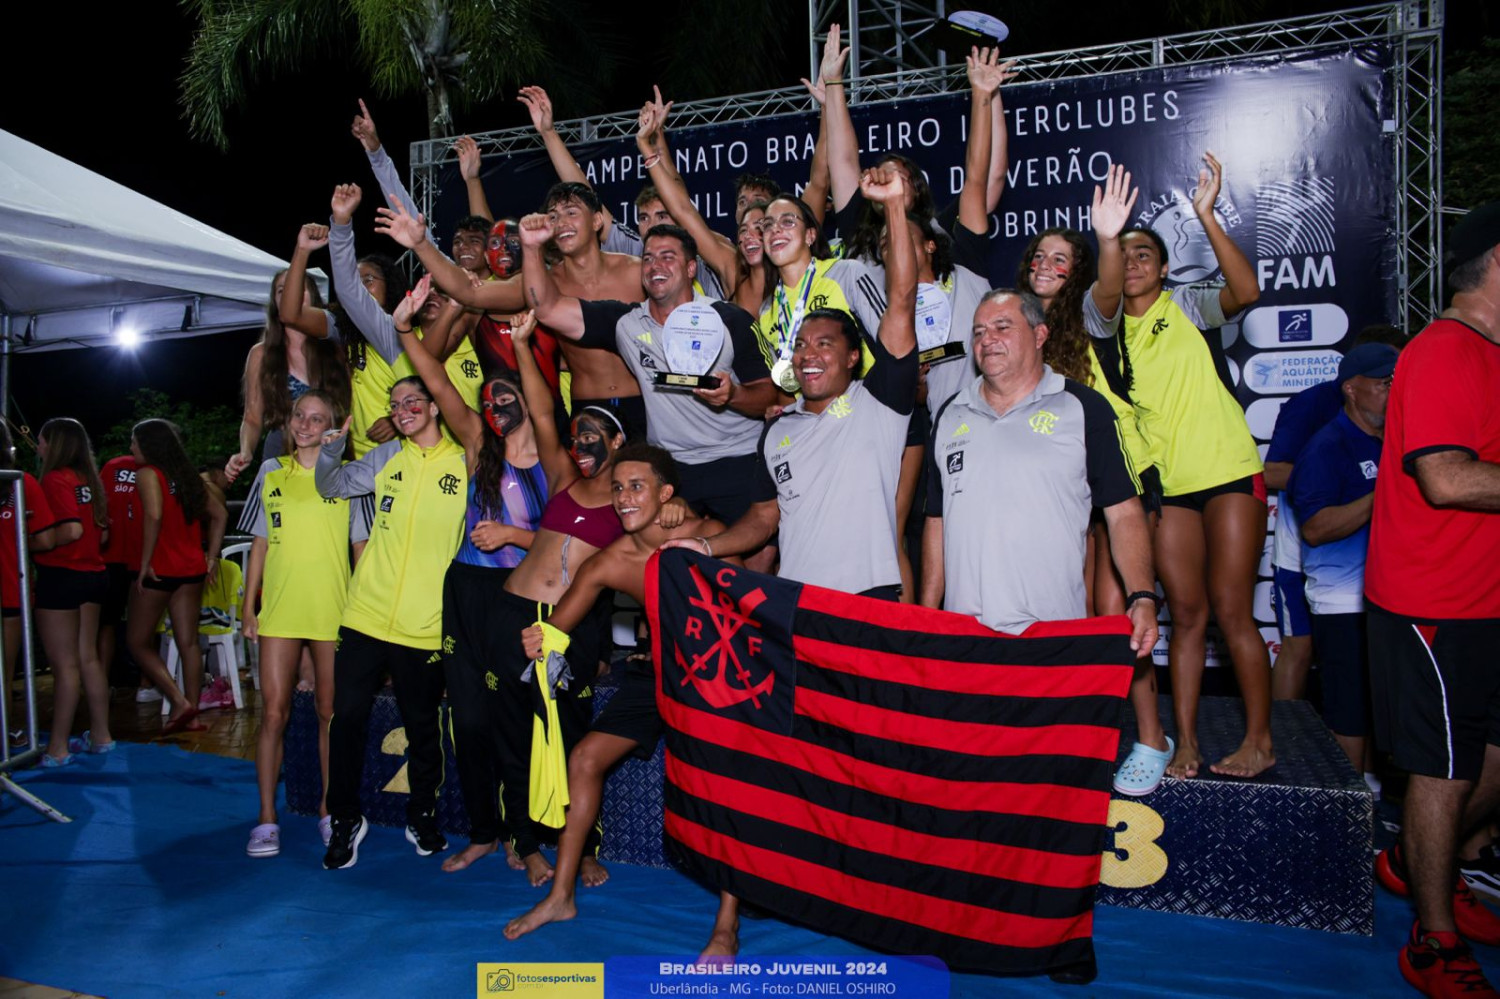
84	259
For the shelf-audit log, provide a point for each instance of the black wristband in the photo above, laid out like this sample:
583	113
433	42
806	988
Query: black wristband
1142	595
400	330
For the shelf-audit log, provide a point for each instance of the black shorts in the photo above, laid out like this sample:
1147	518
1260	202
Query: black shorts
1250	485
890	594
1436	691
10	612
1151	497
117	597
632	713
69	589
169	584
723	488
1344	668
631	409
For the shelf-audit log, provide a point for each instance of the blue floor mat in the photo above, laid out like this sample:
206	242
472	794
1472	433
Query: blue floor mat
148	892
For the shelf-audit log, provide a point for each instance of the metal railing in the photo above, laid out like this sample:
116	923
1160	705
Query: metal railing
9	761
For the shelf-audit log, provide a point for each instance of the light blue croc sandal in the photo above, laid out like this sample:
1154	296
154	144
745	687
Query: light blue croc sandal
1143	769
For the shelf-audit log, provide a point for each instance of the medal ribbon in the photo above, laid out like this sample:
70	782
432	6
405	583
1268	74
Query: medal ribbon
792	321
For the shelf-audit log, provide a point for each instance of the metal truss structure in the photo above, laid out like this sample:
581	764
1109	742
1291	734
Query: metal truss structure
1412	28
884	36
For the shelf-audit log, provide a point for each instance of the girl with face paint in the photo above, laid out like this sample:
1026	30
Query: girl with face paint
507	492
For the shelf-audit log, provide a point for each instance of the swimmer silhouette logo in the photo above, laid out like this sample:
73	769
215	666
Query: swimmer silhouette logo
725	660
1189	255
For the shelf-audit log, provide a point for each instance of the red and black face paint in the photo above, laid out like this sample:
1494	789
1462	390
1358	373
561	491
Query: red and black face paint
502	250
501	405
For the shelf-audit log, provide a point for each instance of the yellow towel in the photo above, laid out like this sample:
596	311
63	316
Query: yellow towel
549	759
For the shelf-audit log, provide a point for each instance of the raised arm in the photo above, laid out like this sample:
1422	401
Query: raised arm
843	146
381	165
539	106
815	194
411	232
1112	207
562	314
985	77
719	252
898	325
468	169
369	315
462	420
999	147
290	308
1241	289
542	406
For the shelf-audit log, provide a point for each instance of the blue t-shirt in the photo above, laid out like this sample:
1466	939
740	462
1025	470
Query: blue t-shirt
1337	467
1301	416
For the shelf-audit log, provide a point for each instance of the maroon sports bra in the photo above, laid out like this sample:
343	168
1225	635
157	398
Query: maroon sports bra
596	526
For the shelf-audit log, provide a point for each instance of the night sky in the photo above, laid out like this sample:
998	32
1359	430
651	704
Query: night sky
99	87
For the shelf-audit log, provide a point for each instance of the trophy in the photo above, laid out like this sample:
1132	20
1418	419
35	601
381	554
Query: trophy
691	340
934	319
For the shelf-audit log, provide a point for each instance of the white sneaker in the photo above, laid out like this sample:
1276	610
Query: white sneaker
146	695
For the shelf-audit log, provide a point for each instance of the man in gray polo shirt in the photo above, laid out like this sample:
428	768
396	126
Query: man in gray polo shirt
1019	457
830	461
711	432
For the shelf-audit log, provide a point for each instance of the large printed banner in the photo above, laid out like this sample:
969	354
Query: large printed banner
1309	190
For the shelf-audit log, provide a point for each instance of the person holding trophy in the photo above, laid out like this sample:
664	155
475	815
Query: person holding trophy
702	375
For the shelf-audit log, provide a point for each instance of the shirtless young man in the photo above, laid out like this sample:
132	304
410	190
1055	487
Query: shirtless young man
585	272
645	477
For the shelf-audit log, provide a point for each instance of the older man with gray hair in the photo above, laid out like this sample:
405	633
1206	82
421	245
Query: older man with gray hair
1020	457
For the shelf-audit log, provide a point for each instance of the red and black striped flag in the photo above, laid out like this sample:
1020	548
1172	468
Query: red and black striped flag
903	777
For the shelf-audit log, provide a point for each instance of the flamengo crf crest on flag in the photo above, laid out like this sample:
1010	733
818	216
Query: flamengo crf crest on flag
902	776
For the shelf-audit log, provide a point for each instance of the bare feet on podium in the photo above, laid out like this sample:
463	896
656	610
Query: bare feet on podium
538	871
1186	761
1247	761
469	854
555	908
591	872
512	858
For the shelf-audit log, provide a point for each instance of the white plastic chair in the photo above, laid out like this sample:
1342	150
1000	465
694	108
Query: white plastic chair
221	643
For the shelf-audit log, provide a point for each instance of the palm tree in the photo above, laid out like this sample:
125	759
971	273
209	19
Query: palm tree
448	50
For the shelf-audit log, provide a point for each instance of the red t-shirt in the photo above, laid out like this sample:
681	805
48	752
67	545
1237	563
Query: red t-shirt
124	546
71	499
38	518
1427	562
179	544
